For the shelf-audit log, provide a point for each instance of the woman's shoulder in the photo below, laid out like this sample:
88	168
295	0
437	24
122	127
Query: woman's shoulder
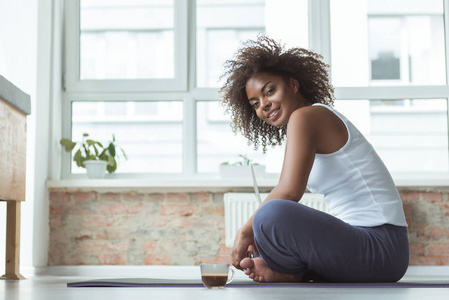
321	124
312	114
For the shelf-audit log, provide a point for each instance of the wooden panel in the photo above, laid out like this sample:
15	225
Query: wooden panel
12	152
12	262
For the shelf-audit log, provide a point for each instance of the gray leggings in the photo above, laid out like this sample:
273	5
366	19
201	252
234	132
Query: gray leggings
293	238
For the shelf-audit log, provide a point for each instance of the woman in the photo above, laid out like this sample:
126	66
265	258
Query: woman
273	93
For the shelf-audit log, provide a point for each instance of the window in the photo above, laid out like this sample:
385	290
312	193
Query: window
150	132
410	135
148	71
398	42
126	40
127	75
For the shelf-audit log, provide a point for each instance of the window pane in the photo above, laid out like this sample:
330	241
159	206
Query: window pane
386	42
222	25
150	132
122	39
216	142
410	135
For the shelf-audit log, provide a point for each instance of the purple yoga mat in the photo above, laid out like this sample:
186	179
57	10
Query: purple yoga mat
159	282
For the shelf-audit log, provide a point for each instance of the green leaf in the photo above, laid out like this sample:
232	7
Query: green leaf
111	149
68	144
79	159
93	143
124	154
112	164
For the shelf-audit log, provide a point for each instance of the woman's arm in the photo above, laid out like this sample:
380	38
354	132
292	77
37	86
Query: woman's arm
298	160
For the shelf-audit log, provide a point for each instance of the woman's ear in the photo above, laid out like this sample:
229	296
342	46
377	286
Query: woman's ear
294	84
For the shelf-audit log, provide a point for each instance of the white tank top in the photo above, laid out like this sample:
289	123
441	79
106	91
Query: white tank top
357	186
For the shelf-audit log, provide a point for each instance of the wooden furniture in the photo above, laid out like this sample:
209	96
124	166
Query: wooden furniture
12	173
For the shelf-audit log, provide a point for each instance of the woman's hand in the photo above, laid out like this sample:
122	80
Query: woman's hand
244	241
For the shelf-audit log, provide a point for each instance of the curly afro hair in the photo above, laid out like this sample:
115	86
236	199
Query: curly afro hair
266	55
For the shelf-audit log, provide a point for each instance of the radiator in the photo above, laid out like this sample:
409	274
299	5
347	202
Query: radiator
240	206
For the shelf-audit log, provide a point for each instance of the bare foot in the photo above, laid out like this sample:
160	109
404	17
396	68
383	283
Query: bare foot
257	270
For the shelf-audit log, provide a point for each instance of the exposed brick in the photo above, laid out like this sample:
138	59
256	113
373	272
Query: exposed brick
55	222
57	254
157	259
210	210
133	207
178	210
58	208
120	246
417	249
200	197
156	197
438	249
188	228
223	259
445	209
182	222
110	234
149	246
112	259
82	197
113	197
438	233
432	197
59	197
167	246
79	210
429	260
102	221
408	209
83	237
224	250
410	196
161	222
92	246
109	208
133	197
177	198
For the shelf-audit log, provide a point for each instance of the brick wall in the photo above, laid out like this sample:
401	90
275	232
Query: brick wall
147	228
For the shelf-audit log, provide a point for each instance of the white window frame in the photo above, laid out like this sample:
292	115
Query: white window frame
320	41
72	62
183	87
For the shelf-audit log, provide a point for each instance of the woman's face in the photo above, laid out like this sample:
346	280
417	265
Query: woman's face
273	99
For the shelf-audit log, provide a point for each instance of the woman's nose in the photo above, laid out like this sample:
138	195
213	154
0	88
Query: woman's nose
265	104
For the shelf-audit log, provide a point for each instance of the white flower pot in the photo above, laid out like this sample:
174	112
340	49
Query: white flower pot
95	168
230	171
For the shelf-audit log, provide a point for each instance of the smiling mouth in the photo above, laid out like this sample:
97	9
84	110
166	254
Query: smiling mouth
273	114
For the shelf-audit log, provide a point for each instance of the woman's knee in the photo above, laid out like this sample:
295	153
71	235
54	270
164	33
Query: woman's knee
273	212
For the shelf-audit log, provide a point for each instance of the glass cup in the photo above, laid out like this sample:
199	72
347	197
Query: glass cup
215	276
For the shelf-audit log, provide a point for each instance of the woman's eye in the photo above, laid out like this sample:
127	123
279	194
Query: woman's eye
270	91
255	104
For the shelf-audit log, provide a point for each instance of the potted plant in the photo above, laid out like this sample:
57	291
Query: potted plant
93	156
241	168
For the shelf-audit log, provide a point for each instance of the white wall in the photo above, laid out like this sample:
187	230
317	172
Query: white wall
18	62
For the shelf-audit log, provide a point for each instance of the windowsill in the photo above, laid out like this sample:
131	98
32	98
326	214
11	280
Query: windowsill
177	185
224	184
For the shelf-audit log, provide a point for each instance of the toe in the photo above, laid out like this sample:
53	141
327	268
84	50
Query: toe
246	263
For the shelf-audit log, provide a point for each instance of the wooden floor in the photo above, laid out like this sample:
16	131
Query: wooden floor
51	283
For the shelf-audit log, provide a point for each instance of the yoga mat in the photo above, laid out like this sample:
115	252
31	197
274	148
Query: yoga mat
159	282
